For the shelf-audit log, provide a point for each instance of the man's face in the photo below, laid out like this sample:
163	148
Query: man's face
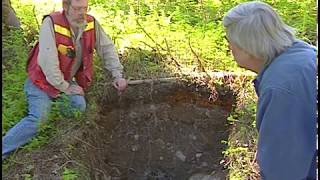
77	12
242	58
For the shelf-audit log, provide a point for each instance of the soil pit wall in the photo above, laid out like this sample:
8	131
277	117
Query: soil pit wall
168	130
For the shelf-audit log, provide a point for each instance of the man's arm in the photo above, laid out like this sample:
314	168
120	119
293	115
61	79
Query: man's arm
107	52
48	56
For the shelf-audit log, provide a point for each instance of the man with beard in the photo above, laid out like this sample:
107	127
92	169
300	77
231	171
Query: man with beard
60	66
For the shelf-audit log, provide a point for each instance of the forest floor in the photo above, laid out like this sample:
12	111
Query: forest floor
163	131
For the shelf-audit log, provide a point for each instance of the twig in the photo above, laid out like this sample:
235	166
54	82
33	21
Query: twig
21	163
60	167
141	81
138	50
114	165
198	59
150	36
170	79
86	143
171	57
83	166
35	16
148	45
157	45
64	132
66	155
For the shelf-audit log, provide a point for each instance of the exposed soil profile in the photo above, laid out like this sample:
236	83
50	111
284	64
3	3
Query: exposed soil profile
158	131
153	131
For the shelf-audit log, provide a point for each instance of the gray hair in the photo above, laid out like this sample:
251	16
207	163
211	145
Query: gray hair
66	2
257	29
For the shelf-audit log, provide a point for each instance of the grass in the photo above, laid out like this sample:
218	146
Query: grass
14	61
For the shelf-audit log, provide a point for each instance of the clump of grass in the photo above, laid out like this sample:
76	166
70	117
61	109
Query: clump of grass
242	142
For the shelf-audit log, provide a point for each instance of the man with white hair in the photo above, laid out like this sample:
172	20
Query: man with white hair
286	86
61	63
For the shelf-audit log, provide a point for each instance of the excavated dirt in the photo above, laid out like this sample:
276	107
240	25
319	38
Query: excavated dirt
167	131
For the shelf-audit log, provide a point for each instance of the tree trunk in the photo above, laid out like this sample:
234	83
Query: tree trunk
9	17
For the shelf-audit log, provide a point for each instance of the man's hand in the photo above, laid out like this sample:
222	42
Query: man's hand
74	89
120	84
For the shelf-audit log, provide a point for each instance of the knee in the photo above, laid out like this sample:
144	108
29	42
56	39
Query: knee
79	103
34	118
81	107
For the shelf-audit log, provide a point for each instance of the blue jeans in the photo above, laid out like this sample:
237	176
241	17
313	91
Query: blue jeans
39	105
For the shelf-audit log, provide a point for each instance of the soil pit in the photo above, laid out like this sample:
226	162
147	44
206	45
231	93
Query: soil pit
163	131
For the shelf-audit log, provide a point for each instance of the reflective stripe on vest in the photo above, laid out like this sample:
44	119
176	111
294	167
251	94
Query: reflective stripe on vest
64	31
90	26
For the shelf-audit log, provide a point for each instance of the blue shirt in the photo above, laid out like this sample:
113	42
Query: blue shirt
286	114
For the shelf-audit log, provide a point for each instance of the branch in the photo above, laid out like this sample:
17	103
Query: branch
171	57
150	36
198	60
141	81
148	45
35	16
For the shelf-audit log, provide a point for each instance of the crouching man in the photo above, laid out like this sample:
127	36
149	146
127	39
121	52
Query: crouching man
62	63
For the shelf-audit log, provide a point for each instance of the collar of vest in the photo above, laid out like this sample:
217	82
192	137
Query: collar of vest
62	26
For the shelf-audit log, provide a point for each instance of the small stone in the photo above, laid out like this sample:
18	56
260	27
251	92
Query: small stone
181	156
204	164
198	176
203	177
161	158
153	107
193	137
208	114
133	115
136	137
134	148
198	155
29	168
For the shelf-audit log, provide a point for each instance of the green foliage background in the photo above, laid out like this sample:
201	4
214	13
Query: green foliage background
175	21
140	30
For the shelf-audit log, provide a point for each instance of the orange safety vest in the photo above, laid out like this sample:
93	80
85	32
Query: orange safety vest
66	55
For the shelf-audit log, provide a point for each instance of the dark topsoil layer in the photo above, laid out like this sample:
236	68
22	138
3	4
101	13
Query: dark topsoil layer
152	131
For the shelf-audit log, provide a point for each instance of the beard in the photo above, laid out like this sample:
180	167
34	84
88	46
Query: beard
78	22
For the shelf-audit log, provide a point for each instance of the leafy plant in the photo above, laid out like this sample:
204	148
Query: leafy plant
14	75
69	174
